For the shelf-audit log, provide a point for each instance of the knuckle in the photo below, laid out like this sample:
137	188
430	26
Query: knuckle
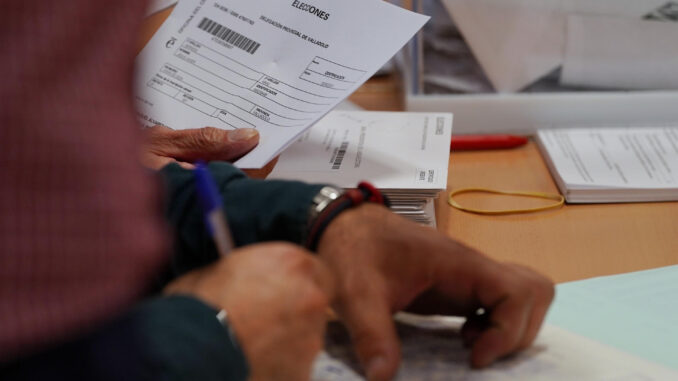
300	262
158	138
525	291
353	287
294	260
522	283
207	136
287	251
158	130
314	303
542	287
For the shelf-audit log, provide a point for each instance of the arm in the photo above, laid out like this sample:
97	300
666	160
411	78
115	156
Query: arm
383	264
275	295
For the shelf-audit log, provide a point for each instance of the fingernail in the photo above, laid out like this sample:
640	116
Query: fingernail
242	134
375	368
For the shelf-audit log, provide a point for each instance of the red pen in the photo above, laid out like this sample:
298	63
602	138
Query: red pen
482	142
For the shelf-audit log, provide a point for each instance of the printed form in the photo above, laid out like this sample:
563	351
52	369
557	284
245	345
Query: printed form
277	66
432	350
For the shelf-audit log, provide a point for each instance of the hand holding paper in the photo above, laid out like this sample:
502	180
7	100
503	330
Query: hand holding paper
270	65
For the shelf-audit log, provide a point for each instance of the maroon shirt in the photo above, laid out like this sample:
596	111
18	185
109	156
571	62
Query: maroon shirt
80	232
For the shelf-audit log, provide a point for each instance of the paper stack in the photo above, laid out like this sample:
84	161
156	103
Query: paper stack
613	164
405	155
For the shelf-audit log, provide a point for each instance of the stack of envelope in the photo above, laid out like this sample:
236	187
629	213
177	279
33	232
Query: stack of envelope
404	154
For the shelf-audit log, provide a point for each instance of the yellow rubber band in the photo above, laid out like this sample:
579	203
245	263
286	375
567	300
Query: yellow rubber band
560	200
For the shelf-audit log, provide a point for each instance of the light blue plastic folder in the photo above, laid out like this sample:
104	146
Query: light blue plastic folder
635	312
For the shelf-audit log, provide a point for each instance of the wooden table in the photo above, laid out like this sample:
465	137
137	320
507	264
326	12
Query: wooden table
575	242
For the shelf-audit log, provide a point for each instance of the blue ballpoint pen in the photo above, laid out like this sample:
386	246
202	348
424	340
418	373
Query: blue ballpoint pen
212	207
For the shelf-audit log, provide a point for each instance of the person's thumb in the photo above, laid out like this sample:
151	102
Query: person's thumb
373	333
206	143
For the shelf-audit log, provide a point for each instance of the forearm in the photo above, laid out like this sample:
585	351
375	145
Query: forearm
171	338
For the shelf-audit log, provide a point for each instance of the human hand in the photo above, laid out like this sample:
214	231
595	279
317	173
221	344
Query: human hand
263	172
276	296
164	145
384	263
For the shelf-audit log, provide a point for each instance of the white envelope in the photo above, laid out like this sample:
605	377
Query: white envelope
623	53
517	42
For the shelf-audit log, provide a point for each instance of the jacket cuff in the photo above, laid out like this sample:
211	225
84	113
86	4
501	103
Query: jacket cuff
256	210
183	339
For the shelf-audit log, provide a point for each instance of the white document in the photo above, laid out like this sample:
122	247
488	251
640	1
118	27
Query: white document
613	164
622	53
277	66
432	350
392	150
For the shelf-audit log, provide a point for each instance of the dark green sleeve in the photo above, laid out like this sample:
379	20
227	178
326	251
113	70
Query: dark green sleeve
183	340
171	338
257	211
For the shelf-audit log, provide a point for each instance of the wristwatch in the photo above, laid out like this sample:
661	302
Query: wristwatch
331	201
321	200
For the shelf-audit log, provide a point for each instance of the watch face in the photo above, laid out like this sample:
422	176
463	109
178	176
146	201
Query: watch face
324	197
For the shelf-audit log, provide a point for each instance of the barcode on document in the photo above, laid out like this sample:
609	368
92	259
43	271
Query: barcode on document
228	35
340	155
425	175
431	175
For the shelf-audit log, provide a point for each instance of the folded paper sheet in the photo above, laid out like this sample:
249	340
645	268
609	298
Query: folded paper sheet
271	65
